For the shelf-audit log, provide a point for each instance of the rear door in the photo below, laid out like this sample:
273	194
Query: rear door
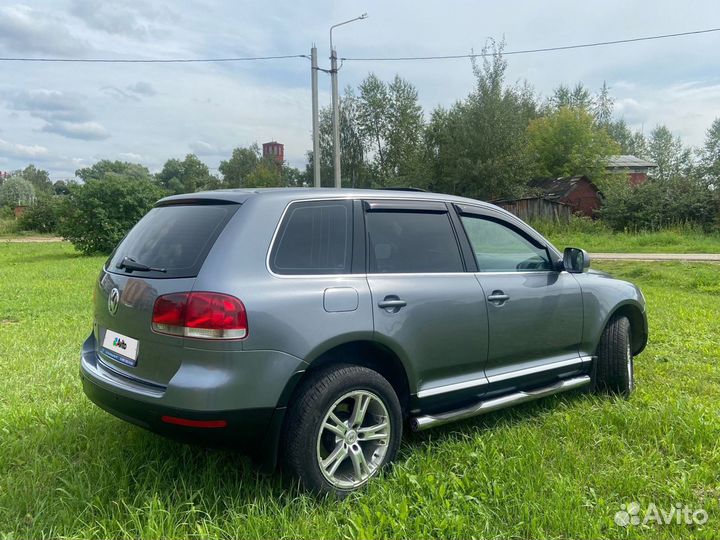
425	305
534	311
174	240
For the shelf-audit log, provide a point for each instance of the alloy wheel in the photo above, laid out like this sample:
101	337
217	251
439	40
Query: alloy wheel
353	439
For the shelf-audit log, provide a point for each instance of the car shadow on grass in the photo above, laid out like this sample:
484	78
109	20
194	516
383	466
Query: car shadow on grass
522	413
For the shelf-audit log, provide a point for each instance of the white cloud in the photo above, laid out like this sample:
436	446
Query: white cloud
87	131
130	156
22	151
27	30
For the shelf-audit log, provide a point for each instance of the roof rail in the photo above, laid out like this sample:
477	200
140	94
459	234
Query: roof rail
402	188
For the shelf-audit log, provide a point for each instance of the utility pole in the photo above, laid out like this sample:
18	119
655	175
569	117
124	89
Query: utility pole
315	119
336	100
336	117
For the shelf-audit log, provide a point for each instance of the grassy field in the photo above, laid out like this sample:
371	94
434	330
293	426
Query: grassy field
557	468
594	237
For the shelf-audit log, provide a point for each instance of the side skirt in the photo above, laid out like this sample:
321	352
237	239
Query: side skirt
419	423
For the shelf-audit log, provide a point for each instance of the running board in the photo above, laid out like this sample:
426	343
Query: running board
420	423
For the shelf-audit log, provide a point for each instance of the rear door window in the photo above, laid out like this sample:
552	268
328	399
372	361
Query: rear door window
411	242
314	238
175	238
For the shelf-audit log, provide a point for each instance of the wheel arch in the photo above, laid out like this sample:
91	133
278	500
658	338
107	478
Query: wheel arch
638	323
360	351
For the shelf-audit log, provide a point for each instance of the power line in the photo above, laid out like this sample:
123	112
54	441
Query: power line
358	59
153	60
528	51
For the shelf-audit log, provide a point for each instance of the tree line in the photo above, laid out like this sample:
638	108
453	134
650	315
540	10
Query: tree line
487	145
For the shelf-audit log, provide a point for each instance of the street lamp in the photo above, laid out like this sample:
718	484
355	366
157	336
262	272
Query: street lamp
336	99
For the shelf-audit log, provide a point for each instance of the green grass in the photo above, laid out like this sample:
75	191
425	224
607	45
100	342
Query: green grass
556	468
593	236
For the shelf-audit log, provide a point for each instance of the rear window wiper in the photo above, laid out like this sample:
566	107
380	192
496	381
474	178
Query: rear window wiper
130	264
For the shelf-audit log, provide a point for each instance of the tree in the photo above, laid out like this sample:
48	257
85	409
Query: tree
710	155
568	142
237	169
16	191
96	215
478	147
39	178
186	176
267	173
107	170
42	215
353	165
390	122
578	97
631	143
60	187
672	158
603	107
373	118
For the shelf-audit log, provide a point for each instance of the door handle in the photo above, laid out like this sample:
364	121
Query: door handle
392	303
498	297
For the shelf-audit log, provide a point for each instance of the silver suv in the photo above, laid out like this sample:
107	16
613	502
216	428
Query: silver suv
312	324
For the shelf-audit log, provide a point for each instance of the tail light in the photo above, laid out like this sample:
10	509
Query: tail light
205	315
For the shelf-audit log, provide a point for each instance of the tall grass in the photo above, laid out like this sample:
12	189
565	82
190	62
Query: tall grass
594	235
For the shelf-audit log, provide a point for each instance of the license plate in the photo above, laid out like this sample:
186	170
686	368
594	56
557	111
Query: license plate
122	348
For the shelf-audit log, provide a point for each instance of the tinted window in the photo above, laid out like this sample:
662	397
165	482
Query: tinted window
498	248
412	242
176	238
314	238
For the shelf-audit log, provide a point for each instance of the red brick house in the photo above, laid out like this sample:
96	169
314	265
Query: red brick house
578	192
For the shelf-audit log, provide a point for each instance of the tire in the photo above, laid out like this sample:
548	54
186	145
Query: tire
313	437
614	370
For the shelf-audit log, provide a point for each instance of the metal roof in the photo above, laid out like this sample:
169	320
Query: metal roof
558	188
628	161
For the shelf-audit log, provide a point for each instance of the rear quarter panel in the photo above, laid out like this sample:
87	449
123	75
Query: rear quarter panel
285	313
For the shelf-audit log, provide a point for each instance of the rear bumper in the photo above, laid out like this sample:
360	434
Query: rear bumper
251	424
242	428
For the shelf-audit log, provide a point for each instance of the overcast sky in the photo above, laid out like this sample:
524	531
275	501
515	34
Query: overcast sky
65	116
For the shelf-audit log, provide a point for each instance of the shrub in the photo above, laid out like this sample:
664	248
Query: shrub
96	215
8	226
656	205
42	216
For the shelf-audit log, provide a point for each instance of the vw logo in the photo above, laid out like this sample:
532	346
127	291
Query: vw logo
113	301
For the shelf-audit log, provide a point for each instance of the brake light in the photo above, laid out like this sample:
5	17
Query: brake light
205	315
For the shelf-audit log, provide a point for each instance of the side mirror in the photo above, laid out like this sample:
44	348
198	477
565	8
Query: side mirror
576	260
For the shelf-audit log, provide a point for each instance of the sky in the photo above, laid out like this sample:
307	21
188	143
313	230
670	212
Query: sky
63	116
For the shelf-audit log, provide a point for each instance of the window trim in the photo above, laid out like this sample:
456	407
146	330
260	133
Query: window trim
282	223
470	211
411	206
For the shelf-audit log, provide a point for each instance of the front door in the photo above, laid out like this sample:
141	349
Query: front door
535	311
426	306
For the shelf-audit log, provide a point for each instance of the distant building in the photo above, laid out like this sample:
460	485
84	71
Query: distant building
578	192
536	208
637	169
274	150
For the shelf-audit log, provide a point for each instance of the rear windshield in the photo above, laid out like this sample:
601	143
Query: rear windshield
175	238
